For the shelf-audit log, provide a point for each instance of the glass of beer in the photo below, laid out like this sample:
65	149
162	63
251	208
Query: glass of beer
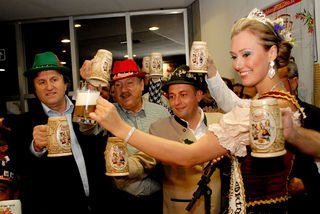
86	100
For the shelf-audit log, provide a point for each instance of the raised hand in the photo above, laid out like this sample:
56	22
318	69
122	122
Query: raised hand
108	117
85	70
288	125
212	70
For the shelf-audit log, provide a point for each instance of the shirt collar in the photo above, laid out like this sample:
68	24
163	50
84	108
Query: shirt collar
201	118
141	111
49	112
185	124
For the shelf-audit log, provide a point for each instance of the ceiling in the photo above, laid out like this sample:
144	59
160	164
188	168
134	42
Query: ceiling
15	10
169	40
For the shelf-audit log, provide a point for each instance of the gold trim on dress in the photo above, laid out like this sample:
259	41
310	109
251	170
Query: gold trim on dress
269	201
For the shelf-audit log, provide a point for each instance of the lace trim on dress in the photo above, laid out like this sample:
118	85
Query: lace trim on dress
233	129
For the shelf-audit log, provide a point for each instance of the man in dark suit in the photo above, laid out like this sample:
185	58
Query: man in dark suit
65	184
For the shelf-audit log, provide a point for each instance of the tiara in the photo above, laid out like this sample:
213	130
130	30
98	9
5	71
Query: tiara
278	25
258	15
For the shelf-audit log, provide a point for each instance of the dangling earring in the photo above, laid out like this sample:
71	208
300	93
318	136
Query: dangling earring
271	71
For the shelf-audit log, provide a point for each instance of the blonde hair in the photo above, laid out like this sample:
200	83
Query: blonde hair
267	36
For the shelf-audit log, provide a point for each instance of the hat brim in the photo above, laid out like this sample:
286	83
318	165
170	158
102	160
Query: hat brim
165	87
138	74
34	71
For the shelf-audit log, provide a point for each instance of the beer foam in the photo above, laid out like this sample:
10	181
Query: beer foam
87	98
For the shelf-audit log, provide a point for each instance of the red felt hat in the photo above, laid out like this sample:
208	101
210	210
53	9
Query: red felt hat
126	68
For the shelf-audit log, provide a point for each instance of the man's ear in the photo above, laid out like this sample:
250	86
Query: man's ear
67	88
294	83
142	84
199	95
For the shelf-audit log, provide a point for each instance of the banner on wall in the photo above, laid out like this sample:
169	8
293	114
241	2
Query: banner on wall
298	17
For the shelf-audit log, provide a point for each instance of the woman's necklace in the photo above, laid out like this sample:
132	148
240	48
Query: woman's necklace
279	83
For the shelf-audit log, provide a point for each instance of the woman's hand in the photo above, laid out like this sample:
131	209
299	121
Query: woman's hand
108	117
212	70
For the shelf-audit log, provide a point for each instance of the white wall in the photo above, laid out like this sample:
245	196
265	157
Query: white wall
215	29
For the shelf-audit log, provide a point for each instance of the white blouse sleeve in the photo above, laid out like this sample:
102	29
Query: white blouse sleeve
225	98
296	116
233	129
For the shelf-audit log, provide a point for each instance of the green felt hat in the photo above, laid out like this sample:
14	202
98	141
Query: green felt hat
46	61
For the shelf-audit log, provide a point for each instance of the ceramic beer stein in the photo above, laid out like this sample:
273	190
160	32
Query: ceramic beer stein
156	64
266	131
116	157
146	64
198	57
101	69
10	207
59	141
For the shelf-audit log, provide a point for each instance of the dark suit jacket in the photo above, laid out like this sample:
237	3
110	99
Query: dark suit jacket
312	122
305	168
53	184
313	115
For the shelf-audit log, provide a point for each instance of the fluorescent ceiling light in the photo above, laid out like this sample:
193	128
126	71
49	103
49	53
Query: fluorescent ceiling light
126	56
65	40
77	25
153	28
